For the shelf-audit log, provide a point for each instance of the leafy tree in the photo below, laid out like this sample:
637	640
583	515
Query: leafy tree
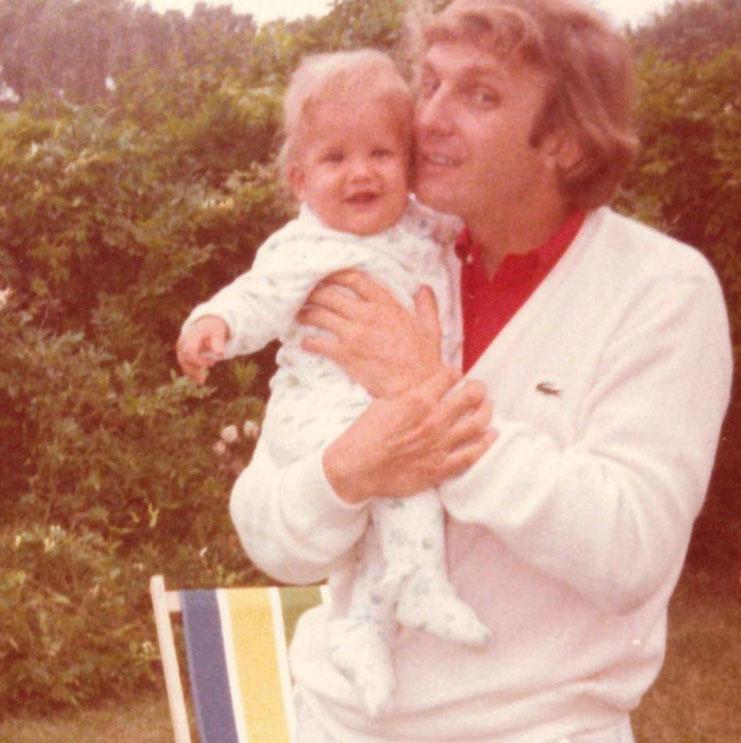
75	48
686	179
691	29
354	23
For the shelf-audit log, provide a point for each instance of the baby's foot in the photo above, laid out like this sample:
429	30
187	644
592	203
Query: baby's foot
361	654
426	602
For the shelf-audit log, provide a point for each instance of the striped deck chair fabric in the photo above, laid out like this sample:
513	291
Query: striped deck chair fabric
236	643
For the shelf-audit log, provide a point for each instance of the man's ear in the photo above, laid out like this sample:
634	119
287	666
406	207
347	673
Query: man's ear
562	151
296	180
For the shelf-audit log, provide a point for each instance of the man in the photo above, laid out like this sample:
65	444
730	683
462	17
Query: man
604	349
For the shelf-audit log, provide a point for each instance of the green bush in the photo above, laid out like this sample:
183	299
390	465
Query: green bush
109	234
72	617
687	182
75	618
95	443
107	479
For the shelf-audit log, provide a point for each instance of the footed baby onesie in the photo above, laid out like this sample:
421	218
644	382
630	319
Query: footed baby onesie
399	565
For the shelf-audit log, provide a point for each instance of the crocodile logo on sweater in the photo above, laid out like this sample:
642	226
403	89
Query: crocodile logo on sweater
547	388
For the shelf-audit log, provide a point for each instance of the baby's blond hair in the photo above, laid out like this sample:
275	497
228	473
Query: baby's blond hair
362	74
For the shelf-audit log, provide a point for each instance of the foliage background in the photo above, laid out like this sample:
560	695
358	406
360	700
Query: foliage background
136	176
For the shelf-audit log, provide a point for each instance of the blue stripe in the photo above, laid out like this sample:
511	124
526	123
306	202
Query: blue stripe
207	667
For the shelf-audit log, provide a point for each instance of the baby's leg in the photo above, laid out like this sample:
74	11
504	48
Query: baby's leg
359	641
412	536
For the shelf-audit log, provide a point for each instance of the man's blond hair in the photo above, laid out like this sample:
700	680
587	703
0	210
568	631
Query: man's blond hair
590	70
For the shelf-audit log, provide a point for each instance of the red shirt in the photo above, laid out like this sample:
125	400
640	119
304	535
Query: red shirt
488	305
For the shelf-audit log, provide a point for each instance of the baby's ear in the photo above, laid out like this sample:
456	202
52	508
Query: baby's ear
296	180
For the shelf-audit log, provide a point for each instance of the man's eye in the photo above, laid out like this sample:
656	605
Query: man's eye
333	157
427	87
381	152
485	97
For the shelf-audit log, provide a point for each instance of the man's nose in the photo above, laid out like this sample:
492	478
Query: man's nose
432	113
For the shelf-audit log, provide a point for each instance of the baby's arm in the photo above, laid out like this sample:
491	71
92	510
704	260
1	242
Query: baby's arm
261	304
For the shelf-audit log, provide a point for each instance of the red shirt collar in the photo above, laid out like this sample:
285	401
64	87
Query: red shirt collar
543	255
488	304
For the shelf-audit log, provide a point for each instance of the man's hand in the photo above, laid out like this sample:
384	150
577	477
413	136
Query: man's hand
416	440
372	337
201	346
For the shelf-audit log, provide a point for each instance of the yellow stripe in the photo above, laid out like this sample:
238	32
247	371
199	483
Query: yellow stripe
257	664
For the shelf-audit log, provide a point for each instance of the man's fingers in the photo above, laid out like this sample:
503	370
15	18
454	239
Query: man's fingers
319	317
333	298
466	456
360	284
435	387
324	345
467	396
471	427
426	309
462	401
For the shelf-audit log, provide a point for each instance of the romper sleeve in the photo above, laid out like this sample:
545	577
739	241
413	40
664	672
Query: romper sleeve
260	305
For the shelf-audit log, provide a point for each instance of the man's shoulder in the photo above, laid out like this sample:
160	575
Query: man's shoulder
642	250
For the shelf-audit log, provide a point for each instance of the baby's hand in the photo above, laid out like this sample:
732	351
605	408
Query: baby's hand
201	346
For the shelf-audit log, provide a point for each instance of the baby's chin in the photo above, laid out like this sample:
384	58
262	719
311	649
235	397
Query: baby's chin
372	229
364	225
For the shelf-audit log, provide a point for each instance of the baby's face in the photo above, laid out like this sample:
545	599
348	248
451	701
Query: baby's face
353	166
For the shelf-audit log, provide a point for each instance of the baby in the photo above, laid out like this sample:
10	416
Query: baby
347	121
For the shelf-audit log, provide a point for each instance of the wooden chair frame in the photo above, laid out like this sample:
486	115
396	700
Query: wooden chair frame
280	609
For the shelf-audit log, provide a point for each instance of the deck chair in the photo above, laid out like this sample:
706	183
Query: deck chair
236	643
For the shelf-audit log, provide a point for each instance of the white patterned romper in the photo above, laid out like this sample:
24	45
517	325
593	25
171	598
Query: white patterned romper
313	401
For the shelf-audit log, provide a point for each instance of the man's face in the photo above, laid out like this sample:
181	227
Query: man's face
474	115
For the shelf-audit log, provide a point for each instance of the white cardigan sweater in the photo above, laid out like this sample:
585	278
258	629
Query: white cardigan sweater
610	386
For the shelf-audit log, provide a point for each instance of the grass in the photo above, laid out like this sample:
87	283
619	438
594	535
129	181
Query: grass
143	721
695	700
